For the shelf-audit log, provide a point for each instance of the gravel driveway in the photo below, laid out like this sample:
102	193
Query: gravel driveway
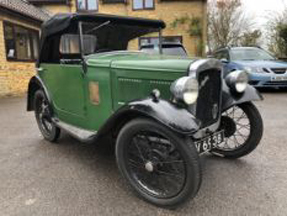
70	178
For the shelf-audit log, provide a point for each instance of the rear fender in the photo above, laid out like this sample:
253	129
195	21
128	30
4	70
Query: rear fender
35	84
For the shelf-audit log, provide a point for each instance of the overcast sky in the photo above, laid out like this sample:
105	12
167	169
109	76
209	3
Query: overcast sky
260	8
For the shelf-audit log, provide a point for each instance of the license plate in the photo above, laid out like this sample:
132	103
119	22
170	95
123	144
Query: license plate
210	142
279	78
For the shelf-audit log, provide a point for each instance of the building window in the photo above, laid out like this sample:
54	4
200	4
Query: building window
155	40
114	1
87	5
21	43
143	4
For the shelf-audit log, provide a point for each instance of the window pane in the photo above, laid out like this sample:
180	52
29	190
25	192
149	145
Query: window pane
9	42
143	41
154	40
69	44
92	5
23	43
138	4
149	3
90	43
82	4
174	39
35	41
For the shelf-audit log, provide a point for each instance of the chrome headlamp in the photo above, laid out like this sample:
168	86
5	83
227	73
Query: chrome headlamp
185	89
254	70
237	81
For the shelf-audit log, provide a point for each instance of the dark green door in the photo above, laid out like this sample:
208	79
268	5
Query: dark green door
65	83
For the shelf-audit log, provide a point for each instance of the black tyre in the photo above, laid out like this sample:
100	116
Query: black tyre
161	167
43	116
243	130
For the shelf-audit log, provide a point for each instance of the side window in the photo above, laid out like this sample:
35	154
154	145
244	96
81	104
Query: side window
217	55
70	44
222	55
225	55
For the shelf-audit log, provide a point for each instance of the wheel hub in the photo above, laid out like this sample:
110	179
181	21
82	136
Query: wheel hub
149	166
228	125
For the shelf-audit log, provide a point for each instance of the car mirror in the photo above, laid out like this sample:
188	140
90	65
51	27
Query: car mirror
224	60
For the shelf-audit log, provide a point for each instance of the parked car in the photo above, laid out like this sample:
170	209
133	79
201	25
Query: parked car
174	49
161	112
264	70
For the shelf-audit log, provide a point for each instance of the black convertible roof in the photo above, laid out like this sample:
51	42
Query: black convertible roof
60	22
114	36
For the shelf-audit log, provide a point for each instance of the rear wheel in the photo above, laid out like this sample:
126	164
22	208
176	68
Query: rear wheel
162	167
243	128
44	119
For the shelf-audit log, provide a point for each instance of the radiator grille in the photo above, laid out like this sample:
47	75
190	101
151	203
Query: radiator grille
209	100
279	70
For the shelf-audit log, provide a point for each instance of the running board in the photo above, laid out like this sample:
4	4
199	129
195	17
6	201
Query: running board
81	134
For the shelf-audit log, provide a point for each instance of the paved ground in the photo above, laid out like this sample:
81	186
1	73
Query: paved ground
70	178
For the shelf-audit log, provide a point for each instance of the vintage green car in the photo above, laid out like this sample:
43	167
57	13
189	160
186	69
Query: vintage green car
162	112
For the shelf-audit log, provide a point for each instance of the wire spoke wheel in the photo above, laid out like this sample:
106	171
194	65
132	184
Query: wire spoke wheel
243	128
161	166
155	164
241	132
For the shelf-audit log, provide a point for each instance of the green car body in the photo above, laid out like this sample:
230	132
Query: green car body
89	85
121	77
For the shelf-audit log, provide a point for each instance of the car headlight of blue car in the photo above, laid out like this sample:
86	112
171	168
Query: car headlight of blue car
254	70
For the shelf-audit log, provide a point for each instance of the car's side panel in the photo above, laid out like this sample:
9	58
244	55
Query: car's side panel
98	113
136	84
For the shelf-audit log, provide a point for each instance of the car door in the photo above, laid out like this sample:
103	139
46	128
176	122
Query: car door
66	81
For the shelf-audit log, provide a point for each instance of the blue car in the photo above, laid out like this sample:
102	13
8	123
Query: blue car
264	70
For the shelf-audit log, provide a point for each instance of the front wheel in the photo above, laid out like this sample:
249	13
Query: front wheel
162	167
243	128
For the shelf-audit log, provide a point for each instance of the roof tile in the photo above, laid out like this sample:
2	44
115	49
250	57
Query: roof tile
25	8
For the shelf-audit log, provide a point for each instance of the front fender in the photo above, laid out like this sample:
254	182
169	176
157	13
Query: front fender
230	99
176	118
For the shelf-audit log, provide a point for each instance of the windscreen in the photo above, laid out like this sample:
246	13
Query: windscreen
250	54
104	37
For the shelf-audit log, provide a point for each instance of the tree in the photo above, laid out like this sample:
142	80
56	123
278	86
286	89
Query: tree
277	34
250	38
227	23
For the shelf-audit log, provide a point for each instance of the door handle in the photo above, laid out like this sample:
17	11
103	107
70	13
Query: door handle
40	69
